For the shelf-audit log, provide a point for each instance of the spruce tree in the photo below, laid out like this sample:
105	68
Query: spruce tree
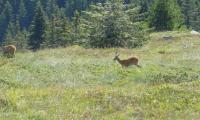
38	27
8	12
21	39
111	26
6	17
51	11
80	32
76	21
22	13
63	33
195	15
10	33
166	15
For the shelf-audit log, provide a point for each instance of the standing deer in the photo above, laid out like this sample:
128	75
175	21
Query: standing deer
127	62
9	51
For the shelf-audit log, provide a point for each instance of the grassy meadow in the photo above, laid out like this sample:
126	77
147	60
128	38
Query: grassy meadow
75	83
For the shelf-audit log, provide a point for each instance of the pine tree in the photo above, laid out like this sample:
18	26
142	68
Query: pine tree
5	18
8	11
76	21
195	15
11	32
21	39
166	15
52	9
63	33
38	27
22	13
111	26
79	31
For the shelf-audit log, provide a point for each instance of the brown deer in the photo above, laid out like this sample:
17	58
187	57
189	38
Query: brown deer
127	62
9	51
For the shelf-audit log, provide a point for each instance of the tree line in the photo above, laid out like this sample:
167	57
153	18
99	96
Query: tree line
36	24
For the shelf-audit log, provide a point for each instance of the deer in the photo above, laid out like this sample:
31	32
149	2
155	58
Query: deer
9	51
127	62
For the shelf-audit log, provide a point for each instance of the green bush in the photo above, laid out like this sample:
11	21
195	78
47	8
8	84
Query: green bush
171	75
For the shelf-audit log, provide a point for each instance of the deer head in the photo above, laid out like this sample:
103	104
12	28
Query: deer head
116	55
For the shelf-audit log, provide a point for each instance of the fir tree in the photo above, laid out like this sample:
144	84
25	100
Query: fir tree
8	11
63	33
21	39
10	33
195	15
111	26
22	13
38	27
5	18
166	15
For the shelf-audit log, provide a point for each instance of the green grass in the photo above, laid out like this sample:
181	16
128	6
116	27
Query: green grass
86	84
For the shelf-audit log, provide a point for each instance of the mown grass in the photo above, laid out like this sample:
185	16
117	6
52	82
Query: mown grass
77	83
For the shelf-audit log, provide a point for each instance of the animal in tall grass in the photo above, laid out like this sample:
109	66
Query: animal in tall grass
127	62
9	51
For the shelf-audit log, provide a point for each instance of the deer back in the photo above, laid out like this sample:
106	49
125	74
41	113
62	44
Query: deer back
128	62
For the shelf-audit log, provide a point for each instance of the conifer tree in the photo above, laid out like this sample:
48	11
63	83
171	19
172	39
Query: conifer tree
21	39
8	11
166	15
195	15
5	18
52	12
111	26
10	34
22	13
79	30
63	33
38	27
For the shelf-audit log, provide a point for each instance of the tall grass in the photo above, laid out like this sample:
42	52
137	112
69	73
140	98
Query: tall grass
78	83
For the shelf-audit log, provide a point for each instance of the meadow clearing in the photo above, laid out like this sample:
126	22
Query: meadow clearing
75	83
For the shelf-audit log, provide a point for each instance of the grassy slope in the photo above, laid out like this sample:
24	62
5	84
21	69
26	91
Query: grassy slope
77	83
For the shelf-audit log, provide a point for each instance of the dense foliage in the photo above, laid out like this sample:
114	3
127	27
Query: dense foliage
114	25
166	15
68	22
37	29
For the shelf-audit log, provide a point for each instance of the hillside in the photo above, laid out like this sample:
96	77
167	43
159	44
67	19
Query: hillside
17	17
77	83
